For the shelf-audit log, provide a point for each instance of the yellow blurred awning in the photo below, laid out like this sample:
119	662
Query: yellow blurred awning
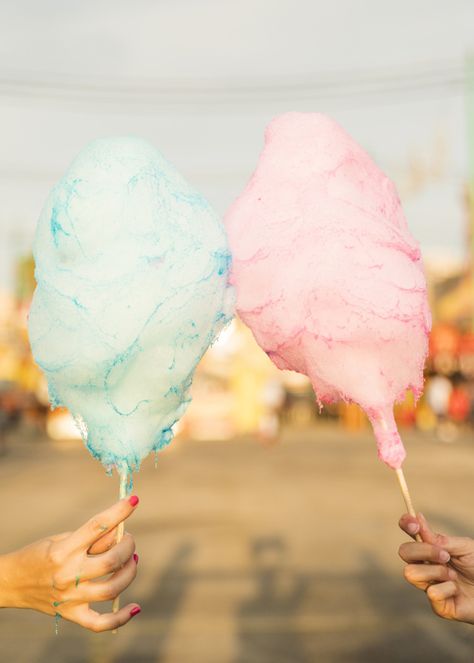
457	305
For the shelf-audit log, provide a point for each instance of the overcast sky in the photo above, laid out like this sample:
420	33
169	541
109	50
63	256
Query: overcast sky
257	59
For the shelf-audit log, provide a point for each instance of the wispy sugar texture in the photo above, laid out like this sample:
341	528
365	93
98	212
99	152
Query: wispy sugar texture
328	277
132	271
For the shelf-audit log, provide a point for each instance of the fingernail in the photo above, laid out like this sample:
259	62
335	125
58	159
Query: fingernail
412	528
134	611
135	557
444	556
133	500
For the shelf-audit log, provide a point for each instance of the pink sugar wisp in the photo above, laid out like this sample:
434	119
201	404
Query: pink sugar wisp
328	277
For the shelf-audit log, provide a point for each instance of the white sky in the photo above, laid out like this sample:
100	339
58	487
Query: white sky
216	144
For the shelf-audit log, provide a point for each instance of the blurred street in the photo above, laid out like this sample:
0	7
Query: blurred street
248	554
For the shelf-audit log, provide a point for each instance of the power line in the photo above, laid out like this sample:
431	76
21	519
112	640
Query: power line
139	83
447	76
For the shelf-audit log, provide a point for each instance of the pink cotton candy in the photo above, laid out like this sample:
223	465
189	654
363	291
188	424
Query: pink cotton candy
327	275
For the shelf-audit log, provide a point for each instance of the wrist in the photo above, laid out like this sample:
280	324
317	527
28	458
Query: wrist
8	572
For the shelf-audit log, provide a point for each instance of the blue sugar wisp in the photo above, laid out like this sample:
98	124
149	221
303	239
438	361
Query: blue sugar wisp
132	272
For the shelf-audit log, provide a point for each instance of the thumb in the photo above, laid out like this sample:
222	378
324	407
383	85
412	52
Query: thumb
455	545
426	532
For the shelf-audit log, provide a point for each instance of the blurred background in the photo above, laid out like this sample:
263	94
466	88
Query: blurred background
268	530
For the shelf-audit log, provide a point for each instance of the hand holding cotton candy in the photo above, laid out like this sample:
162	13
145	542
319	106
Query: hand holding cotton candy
327	275
132	270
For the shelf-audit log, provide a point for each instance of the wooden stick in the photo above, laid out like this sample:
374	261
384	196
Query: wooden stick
407	497
404	487
120	529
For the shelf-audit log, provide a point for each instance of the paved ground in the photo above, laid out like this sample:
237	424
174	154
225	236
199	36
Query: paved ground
247	554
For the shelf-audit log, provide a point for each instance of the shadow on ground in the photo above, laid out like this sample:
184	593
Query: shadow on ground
288	617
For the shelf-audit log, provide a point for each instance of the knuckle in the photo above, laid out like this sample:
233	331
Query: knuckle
61	581
56	555
107	567
111	562
435	609
129	543
439	612
130	577
434	554
408	574
128	538
108	593
91	623
96	525
94	626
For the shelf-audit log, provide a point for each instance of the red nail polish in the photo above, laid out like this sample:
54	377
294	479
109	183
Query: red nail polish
135	557
133	500
135	611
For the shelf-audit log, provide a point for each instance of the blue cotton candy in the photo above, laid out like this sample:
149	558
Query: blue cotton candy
132	272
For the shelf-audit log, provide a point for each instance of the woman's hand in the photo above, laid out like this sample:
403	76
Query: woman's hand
63	574
442	566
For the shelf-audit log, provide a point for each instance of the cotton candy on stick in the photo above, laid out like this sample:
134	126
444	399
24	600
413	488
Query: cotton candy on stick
132	273
327	275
